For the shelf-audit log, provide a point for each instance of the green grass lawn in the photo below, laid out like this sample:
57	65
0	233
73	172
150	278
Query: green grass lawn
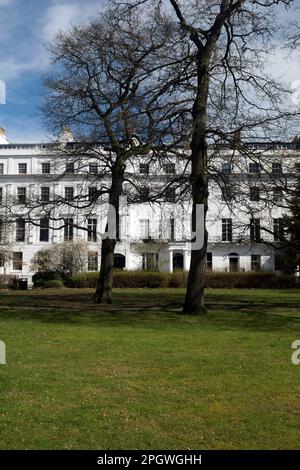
138	375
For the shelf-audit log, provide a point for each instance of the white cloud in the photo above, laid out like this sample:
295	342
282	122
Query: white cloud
4	3
62	16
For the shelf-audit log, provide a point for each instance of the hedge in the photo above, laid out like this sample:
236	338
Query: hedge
142	279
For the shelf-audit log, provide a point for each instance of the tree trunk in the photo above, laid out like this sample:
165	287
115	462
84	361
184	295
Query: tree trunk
103	292
194	298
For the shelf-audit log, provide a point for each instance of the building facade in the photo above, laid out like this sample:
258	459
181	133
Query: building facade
152	235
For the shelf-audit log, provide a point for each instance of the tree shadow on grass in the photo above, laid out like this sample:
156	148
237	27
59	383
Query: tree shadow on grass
151	310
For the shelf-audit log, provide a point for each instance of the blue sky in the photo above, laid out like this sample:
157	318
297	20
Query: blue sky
25	27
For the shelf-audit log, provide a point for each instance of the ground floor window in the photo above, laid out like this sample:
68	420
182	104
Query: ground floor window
119	261
178	261
17	260
92	261
278	263
209	262
255	262
234	264
150	261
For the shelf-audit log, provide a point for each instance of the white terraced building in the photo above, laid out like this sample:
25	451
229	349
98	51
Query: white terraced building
154	236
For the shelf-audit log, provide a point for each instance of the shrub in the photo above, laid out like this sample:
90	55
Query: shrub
89	279
54	284
40	278
154	279
8	282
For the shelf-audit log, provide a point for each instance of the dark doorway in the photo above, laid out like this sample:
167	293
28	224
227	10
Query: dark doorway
119	261
233	262
178	261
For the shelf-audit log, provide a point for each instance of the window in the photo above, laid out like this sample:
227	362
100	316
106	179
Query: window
144	228
254	168
92	261
70	168
1	168
170	195
226	167
68	230
22	168
144	194
144	168
172	229
227	193
17	260
278	229
92	193
44	229
93	168
278	263
119	261
255	230
226	230
170	168
21	195
297	167
277	195
209	262
1	230
20	230
92	230
69	194
255	262
276	168
254	194
150	261
1	194
45	194
46	168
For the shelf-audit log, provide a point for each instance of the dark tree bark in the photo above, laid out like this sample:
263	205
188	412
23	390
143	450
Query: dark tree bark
103	292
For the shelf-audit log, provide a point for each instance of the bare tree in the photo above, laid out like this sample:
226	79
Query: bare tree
109	88
229	41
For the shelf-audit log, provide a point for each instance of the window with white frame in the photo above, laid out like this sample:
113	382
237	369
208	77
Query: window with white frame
93	261
144	228
45	194
17	260
22	168
20	230
68	230
92	230
170	168
69	193
226	230
255	230
21	193
254	194
254	168
46	168
276	168
255	262
150	261
1	168
70	168
144	168
227	167
44	229
93	168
